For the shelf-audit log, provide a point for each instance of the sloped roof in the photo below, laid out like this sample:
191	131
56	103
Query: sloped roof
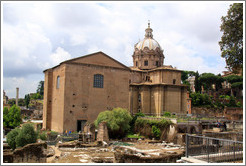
97	58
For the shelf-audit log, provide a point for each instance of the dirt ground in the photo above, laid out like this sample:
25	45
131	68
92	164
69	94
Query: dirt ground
100	154
80	155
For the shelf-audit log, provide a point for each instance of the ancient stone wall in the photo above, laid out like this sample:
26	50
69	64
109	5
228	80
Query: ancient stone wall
206	112
31	153
233	113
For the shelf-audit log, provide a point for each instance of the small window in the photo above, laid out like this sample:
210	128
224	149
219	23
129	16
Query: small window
146	63
136	63
58	82
147	78
174	81
157	63
98	81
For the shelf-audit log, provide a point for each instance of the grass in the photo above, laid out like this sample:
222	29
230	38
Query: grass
134	136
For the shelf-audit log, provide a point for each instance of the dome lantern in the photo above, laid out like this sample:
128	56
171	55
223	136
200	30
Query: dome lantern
148	32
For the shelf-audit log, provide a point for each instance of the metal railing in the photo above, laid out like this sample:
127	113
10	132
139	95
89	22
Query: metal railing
213	150
234	136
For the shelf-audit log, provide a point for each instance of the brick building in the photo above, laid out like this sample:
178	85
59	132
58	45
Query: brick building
77	90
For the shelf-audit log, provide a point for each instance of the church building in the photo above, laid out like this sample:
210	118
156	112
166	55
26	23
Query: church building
77	90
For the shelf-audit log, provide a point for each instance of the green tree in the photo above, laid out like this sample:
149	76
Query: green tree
40	89
11	138
218	82
184	75
26	135
21	102
27	100
197	82
234	78
5	117
207	79
198	99
231	43
11	102
236	84
13	117
118	122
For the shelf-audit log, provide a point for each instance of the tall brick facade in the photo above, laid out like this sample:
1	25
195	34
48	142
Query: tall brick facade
77	90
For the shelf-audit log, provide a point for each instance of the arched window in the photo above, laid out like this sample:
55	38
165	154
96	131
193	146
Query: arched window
98	81
58	82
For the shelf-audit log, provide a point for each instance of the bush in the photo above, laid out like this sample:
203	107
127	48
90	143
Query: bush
132	123
117	121
140	123
167	114
26	135
156	132
11	137
42	136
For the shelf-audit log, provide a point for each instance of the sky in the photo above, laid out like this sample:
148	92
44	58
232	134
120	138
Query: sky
39	35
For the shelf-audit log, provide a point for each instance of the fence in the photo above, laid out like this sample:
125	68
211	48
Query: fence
235	136
213	150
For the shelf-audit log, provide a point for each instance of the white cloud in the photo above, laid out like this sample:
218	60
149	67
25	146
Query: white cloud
59	56
40	35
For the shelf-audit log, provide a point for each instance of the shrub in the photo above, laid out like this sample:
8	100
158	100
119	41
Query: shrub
156	132
42	136
140	123
117	121
167	114
26	135
11	137
132	123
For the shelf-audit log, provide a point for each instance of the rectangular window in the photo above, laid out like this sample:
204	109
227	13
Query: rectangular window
157	63
136	63
146	63
98	81
174	81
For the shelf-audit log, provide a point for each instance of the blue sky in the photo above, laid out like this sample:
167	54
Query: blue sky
39	35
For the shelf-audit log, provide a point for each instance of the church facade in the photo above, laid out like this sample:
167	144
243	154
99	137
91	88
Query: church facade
77	90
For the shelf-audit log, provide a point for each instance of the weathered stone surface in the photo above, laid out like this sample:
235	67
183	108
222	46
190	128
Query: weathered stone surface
30	153
103	159
133	155
103	132
50	152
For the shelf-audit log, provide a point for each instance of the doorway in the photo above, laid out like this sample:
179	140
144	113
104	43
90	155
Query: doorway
81	125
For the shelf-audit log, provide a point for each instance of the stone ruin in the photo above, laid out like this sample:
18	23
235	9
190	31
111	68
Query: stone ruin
30	153
103	132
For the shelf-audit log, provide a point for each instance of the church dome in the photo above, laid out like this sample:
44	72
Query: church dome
148	53
148	41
